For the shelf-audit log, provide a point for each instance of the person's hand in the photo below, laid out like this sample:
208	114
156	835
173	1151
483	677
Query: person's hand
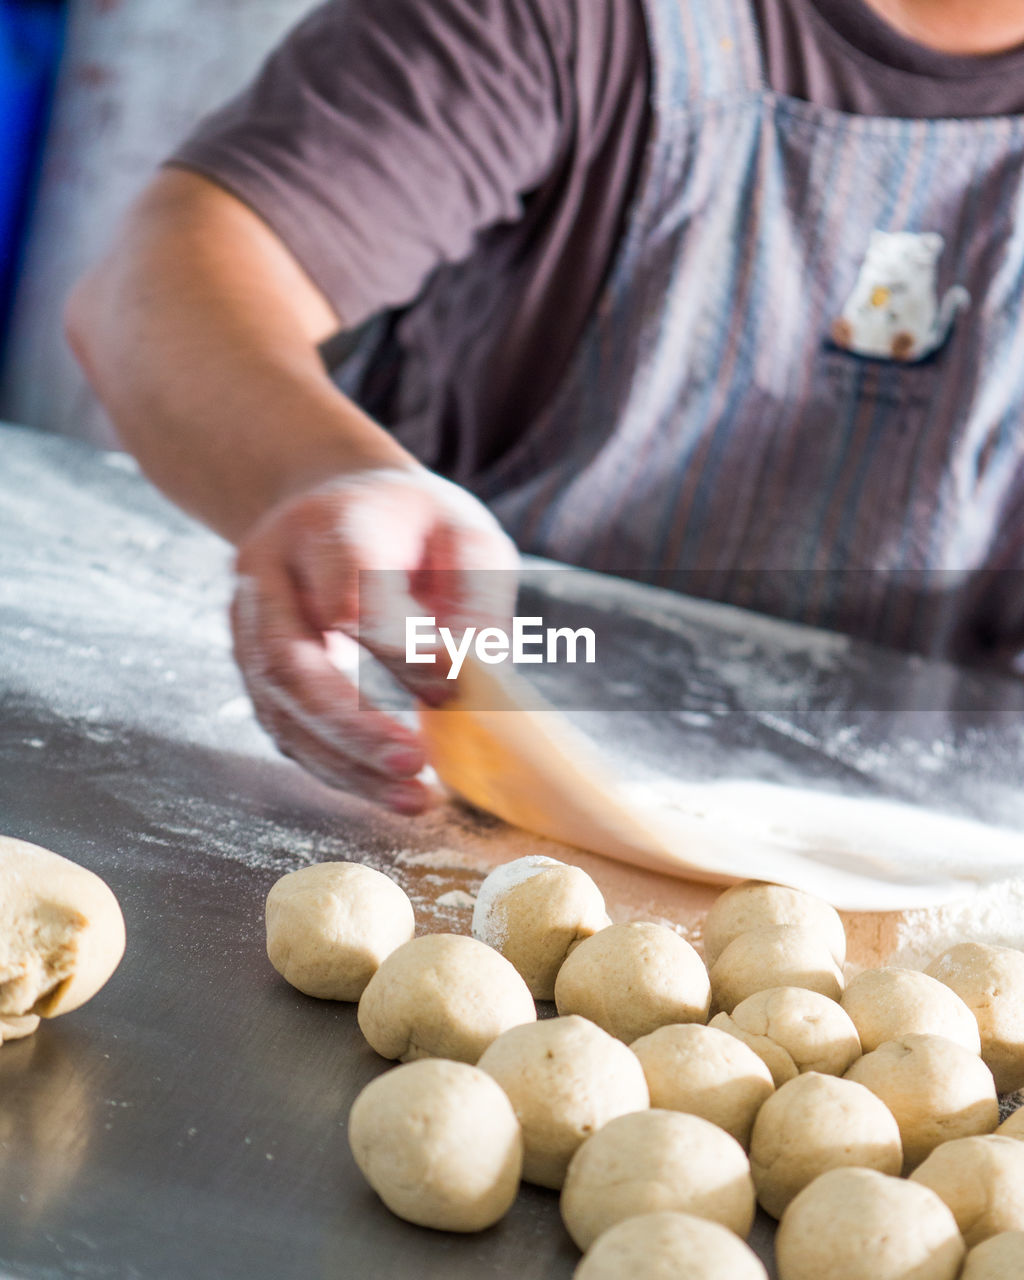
307	595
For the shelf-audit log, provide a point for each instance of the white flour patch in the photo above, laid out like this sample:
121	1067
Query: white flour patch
489	922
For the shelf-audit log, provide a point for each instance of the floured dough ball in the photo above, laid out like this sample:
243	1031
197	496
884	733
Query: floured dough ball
652	1161
439	1143
997	1258
705	1073
534	911
794	1030
13	1028
813	1124
990	981
633	978
936	1089
669	1246
565	1078
755	905
778	956
329	926
858	1224
1013	1125
982	1182
442	996
885	1004
61	932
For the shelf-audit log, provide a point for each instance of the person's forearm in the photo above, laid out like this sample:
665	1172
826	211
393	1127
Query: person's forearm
199	332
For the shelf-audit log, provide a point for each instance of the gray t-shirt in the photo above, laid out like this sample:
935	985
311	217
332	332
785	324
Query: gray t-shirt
464	169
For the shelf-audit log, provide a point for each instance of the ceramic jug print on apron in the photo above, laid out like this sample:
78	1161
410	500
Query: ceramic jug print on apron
804	385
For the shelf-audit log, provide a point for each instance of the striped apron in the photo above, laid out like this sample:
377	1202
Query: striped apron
720	431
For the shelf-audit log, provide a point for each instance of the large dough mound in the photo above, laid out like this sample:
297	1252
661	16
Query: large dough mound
439	1143
669	1246
442	996
61	932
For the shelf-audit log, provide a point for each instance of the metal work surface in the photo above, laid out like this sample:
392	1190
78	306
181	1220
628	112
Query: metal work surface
190	1120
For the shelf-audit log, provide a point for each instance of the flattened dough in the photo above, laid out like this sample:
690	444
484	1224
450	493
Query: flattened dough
497	745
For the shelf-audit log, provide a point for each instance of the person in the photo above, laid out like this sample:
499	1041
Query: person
723	295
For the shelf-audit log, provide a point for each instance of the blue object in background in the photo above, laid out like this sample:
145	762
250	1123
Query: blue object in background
31	38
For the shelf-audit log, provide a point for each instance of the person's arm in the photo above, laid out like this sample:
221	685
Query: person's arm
199	332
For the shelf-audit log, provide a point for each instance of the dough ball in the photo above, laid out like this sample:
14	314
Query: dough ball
329	926
982	1182
706	1073
633	978
858	1224
885	1004
794	1030
534	911
61	932
565	1078
778	956
1013	1125
990	981
997	1258
754	905
655	1160
439	1143
813	1124
669	1246
442	996
936	1089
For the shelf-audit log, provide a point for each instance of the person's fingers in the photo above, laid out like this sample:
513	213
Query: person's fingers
406	796
296	687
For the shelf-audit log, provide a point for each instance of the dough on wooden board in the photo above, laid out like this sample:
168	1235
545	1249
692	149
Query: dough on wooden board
669	1246
61	932
442	996
654	1160
535	910
329	926
439	1143
633	978
498	746
859	1224
565	1078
